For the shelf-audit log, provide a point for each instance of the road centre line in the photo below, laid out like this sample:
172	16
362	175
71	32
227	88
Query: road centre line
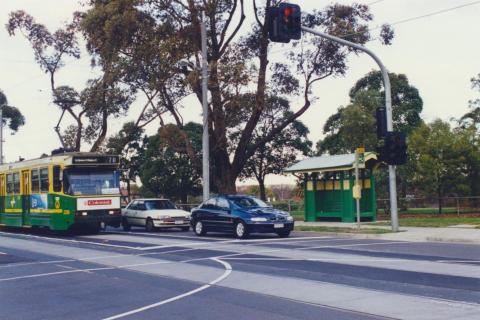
314	260
288	240
303	248
69	240
228	270
76	270
163	235
38	275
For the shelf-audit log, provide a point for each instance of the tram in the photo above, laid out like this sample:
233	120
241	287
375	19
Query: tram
61	192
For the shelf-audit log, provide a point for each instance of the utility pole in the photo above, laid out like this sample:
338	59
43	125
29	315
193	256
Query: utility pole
388	105
205	139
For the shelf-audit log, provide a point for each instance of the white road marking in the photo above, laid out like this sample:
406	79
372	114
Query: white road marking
163	235
303	248
319	240
315	260
458	261
3	253
348	245
228	270
70	240
234	241
38	275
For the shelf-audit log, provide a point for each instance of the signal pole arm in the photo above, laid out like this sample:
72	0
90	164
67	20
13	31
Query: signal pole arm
388	106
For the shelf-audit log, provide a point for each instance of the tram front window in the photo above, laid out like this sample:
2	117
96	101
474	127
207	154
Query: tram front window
91	182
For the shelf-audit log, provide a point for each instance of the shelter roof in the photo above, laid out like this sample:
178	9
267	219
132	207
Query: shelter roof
329	163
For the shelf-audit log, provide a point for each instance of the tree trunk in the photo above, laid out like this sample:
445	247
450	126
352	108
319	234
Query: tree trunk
103	132
226	185
263	194
439	194
129	198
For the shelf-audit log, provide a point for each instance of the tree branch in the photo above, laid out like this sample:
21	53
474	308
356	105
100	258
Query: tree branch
225	45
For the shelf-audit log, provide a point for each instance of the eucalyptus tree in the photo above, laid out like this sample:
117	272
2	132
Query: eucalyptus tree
153	45
11	115
102	97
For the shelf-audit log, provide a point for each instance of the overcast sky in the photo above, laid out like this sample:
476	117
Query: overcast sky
439	54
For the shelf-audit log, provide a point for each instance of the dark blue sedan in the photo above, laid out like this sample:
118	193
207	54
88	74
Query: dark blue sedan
241	215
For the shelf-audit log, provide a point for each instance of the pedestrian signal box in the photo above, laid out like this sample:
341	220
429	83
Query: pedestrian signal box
393	149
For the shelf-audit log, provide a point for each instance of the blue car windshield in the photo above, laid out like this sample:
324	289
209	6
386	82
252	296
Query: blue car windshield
91	182
247	202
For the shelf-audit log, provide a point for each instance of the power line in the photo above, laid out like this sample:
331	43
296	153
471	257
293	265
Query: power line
374	2
435	13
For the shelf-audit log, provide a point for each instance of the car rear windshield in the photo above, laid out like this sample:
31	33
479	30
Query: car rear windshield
247	202
159	204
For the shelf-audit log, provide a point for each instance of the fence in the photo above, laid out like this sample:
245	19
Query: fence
446	205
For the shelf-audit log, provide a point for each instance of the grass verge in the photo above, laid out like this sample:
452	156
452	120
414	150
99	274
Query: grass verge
437	222
342	230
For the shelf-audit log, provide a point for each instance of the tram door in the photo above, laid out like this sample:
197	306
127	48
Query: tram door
25	196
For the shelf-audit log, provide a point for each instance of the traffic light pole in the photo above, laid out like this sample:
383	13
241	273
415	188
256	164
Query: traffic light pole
388	104
205	138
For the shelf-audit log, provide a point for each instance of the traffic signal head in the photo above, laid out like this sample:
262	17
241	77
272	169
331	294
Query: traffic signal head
284	23
393	148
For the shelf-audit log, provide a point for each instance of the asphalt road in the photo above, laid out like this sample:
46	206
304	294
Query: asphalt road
176	275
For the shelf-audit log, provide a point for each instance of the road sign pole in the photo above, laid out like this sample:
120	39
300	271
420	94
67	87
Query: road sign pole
388	106
205	141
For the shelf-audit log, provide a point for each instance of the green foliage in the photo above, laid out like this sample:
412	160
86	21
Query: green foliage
11	115
274	156
165	167
128	143
439	154
355	125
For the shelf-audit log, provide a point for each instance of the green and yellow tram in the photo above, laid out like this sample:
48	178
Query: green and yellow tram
61	191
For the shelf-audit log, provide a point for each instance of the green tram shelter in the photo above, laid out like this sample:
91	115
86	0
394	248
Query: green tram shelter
328	187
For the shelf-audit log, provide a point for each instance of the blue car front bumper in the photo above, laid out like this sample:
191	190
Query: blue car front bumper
262	227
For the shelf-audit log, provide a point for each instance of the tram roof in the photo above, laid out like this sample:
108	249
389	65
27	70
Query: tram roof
68	159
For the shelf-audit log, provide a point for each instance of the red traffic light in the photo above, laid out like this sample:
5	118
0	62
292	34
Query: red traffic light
287	11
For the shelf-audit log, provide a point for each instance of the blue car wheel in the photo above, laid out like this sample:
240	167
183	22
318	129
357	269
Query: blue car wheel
199	228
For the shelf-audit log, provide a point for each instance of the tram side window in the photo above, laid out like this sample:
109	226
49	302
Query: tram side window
44	180
35	181
9	183
16	182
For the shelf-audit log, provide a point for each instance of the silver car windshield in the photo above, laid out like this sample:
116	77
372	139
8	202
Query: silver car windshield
247	202
159	204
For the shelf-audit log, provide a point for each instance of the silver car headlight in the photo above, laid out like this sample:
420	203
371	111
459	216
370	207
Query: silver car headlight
289	218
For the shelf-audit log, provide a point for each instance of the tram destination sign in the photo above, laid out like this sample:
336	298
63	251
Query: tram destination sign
90	160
